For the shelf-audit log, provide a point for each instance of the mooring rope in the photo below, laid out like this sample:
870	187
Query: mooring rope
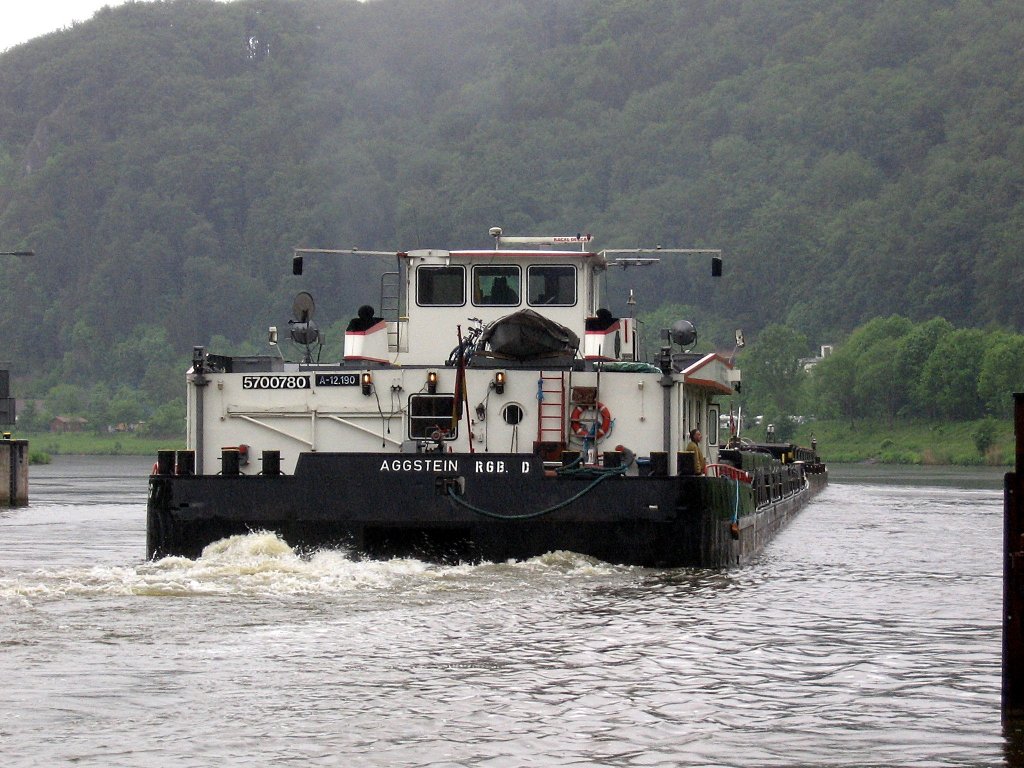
603	474
736	507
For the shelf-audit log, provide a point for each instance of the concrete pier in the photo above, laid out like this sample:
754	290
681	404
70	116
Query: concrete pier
13	472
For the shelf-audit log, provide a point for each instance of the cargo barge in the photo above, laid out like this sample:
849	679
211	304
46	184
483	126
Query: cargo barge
487	407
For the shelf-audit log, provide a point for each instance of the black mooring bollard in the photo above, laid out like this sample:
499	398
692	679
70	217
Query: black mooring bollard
165	462
659	464
1013	576
230	461
186	465
272	463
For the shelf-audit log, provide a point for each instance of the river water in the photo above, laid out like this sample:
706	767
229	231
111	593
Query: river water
867	634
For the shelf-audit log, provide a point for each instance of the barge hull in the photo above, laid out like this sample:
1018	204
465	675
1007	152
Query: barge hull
470	508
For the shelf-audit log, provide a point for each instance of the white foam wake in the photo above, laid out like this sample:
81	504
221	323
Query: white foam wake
262	563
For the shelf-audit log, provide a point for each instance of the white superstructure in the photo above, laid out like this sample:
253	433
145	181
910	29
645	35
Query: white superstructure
396	388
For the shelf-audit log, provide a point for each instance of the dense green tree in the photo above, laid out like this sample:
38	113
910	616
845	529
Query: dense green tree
32	418
125	408
949	378
913	351
66	400
860	378
876	387
833	384
773	372
168	420
1001	373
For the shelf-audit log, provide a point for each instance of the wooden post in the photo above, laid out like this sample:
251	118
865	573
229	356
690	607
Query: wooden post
1013	576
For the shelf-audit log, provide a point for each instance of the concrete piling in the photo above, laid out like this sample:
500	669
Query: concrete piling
13	472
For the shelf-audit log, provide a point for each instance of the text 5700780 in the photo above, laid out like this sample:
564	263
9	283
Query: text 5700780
275	382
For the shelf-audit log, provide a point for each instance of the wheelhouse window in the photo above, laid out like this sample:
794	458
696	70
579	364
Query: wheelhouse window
440	286
496	286
430	414
714	422
552	285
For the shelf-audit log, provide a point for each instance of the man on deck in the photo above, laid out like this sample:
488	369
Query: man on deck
698	457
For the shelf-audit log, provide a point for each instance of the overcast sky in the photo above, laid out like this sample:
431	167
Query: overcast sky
21	21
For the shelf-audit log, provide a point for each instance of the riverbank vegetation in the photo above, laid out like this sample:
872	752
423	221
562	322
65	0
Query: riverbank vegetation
44	445
987	442
894	391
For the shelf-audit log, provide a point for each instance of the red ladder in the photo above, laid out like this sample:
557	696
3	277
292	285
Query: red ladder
551	408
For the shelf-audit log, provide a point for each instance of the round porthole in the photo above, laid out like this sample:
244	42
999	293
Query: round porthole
512	414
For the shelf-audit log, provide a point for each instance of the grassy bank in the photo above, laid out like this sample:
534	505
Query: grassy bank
54	444
910	442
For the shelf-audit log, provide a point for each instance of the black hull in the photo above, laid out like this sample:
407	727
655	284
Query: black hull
387	505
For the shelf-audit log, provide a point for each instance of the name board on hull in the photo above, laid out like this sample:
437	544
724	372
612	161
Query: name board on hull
464	466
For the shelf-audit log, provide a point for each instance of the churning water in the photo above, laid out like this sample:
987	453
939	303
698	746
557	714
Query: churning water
867	634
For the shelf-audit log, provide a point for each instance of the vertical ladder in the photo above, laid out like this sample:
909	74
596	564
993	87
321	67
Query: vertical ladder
551	408
390	284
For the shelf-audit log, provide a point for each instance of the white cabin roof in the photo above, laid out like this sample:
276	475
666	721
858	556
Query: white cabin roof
712	372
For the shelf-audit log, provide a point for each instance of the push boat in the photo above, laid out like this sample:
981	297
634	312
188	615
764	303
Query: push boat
543	429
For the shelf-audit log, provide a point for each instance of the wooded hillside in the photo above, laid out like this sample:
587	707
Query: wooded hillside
853	160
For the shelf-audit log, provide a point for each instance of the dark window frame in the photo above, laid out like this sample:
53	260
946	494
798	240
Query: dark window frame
529	285
424	269
511	269
437	417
